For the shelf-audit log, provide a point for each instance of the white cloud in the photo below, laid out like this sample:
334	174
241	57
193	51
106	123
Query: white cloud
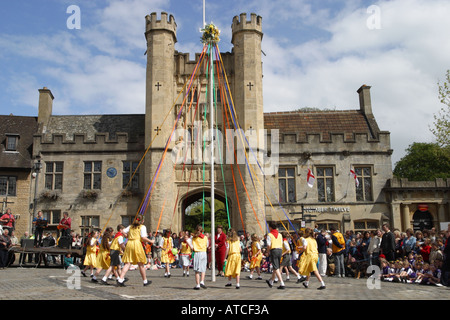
402	62
101	68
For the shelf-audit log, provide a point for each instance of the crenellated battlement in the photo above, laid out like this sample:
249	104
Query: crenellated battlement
167	22
102	142
240	23
334	142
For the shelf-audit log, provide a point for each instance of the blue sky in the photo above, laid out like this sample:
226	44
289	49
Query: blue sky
318	53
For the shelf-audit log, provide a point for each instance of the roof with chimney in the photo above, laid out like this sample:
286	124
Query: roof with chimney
325	123
90	125
23	129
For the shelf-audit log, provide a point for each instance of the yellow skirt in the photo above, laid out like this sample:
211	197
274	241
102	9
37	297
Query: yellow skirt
167	256
233	267
256	262
134	253
308	264
90	259
103	259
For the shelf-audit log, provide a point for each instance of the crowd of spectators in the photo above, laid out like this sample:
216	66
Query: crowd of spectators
405	257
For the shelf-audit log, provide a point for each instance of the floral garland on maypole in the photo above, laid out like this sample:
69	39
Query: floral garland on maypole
210	34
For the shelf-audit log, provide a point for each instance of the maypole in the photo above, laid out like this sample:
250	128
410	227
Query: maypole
211	37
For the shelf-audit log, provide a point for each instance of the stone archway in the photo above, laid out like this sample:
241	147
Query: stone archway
193	202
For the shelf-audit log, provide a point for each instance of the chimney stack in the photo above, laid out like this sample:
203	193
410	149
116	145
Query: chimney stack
45	108
365	102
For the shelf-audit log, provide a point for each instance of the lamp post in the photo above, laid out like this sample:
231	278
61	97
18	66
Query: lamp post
37	166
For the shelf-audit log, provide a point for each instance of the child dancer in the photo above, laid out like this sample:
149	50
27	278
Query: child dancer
134	251
233	266
166	252
309	260
256	257
90	260
199	244
286	263
185	254
117	247
103	257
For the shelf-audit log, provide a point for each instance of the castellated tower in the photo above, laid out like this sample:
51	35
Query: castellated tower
248	99
168	71
161	38
248	90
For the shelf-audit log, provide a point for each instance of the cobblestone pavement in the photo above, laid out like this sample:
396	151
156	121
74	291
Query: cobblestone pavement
55	283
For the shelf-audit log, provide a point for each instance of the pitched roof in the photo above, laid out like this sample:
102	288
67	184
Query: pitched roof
347	122
133	125
25	128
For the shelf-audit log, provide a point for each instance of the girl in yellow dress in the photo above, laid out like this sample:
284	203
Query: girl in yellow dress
199	244
233	267
134	251
256	257
310	257
166	252
103	258
185	255
90	260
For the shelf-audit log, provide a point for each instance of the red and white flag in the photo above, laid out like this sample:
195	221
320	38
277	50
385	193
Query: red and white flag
310	178
353	174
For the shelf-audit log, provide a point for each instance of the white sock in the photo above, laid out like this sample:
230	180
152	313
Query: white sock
104	278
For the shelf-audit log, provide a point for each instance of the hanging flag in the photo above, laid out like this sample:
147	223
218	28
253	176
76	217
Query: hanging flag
353	174
310	178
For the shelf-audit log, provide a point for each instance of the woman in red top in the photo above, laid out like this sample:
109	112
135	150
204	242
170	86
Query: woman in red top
425	250
221	250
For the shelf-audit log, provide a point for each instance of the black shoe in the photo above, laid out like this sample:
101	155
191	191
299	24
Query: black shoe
238	287
305	285
281	287
121	284
202	285
94	280
269	284
148	283
228	285
196	288
105	283
301	280
83	273
321	288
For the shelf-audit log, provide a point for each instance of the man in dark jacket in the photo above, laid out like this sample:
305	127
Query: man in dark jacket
388	243
322	248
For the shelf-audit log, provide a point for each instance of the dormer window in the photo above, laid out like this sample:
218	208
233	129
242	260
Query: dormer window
11	142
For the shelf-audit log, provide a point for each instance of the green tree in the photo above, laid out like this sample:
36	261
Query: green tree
441	129
424	162
194	214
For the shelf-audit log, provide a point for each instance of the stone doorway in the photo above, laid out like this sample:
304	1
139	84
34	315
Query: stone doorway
422	220
193	213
